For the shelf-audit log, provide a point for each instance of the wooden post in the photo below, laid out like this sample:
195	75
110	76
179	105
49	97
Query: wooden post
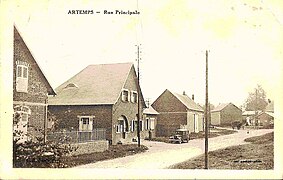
206	113
139	98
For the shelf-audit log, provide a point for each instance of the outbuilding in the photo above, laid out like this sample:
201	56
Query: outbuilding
225	114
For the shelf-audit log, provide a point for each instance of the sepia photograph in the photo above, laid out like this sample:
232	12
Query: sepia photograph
104	89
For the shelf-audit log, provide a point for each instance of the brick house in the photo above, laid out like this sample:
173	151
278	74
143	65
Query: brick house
30	90
100	96
176	110
225	113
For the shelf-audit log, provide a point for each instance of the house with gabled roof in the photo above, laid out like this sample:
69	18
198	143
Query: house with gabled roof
266	117
100	96
225	114
30	90
175	111
150	121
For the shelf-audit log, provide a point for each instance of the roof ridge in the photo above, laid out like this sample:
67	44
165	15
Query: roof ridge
192	101
111	63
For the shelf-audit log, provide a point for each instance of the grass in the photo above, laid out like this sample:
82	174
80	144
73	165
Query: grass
216	132
258	155
114	151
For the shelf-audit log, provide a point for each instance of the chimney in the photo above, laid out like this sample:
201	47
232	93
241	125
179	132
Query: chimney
193	97
184	93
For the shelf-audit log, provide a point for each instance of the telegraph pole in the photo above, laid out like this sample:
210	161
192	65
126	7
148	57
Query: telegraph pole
206	113
139	99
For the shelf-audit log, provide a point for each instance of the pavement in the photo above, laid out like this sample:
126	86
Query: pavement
162	155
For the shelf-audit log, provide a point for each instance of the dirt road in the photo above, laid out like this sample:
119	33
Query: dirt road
162	155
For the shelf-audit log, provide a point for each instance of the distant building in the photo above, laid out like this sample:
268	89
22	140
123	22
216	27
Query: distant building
101	96
260	118
30	90
225	114
266	118
175	111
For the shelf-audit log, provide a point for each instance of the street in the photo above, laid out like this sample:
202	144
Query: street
162	155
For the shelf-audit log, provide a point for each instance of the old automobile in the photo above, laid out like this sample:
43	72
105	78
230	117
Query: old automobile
181	135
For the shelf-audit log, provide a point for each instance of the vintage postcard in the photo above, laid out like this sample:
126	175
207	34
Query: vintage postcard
104	89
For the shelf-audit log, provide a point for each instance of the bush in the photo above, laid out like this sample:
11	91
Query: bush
37	153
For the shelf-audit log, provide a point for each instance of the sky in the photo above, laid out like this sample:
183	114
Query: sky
244	39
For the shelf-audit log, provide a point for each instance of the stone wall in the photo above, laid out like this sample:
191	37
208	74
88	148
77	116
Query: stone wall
91	147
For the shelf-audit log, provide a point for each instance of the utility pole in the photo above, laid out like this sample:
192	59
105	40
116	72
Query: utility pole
206	113
139	99
256	110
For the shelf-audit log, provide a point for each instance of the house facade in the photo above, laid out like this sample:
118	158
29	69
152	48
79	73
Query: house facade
101	96
150	121
30	91
175	111
225	114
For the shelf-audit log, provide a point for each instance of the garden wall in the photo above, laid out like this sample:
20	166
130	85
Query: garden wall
91	147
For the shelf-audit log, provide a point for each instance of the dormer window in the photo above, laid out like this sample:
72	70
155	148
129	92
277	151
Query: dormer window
22	78
125	95
134	97
71	85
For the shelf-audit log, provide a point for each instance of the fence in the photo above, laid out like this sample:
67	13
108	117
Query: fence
77	136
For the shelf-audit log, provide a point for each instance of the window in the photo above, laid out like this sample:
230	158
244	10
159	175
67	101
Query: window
134	125
86	123
147	124
120	126
21	116
125	95
85	120
134	97
22	78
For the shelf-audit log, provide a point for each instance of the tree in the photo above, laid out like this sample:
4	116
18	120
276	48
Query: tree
256	100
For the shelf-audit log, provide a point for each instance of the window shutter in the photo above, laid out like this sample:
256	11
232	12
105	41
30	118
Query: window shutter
80	124
132	126
152	123
123	96
90	124
129	96
132	96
